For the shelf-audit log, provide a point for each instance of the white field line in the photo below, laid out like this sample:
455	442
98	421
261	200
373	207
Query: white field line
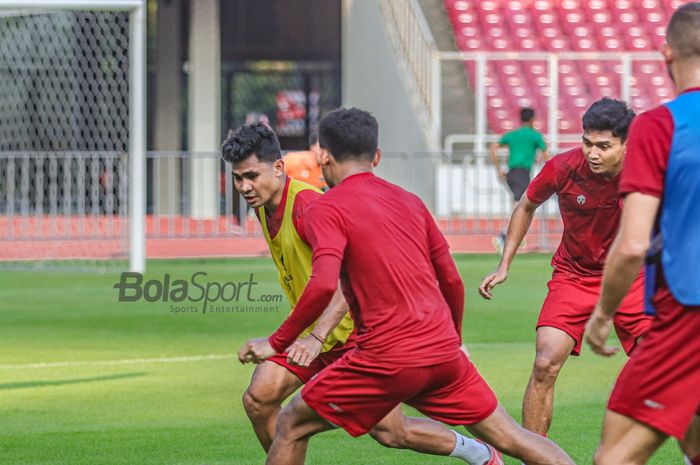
125	361
198	358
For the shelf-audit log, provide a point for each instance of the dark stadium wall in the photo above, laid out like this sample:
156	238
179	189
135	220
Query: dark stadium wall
293	30
274	50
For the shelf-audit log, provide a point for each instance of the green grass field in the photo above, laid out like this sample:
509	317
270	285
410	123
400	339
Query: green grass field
77	386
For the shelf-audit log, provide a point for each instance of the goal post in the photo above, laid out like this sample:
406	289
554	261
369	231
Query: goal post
73	151
137	147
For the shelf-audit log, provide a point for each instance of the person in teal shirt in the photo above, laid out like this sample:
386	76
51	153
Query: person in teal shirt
523	145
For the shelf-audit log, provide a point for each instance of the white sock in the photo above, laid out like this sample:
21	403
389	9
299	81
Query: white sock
687	460
471	451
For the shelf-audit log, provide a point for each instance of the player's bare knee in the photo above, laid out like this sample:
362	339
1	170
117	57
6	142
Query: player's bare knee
257	402
545	368
250	404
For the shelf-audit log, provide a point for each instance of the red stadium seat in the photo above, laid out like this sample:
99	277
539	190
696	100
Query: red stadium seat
561	25
595	5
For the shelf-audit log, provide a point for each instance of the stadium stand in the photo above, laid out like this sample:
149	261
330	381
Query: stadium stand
560	26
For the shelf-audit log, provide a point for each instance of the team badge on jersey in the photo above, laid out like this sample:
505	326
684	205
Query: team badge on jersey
581	199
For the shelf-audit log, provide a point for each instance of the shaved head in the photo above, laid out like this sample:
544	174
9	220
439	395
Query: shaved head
683	33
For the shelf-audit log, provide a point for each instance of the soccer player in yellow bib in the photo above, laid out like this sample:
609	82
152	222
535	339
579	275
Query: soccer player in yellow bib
279	202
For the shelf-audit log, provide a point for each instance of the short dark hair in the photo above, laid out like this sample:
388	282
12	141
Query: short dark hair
527	114
349	133
251	139
683	32
608	115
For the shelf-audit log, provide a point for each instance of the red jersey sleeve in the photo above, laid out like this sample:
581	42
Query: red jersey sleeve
648	149
451	288
437	242
545	183
325	231
449	280
316	296
301	203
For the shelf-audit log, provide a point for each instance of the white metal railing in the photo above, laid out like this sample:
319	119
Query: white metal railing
73	206
419	59
453	139
65	206
481	59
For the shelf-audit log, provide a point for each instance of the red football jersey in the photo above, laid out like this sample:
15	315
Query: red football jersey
648	150
387	241
590	207
658	386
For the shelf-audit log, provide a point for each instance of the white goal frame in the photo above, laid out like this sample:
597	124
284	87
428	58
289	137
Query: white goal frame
137	105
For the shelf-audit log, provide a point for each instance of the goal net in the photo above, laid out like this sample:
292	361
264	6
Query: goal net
65	126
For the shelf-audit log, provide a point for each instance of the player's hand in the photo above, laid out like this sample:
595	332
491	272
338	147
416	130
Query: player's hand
304	351
255	351
597	331
502	175
490	281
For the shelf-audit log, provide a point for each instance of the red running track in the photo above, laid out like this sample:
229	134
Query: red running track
102	237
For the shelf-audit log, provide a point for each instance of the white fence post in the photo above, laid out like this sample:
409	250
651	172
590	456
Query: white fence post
626	78
553	102
437	97
480	144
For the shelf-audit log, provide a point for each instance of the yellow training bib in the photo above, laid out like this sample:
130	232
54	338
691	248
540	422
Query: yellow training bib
292	257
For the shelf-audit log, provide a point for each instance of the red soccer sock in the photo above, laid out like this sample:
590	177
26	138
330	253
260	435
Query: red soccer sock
696	460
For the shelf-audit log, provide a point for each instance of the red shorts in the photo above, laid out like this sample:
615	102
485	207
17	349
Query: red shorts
571	300
321	362
356	394
660	384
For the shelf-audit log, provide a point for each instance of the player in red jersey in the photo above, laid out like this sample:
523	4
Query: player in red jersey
658	391
585	180
280	204
407	300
